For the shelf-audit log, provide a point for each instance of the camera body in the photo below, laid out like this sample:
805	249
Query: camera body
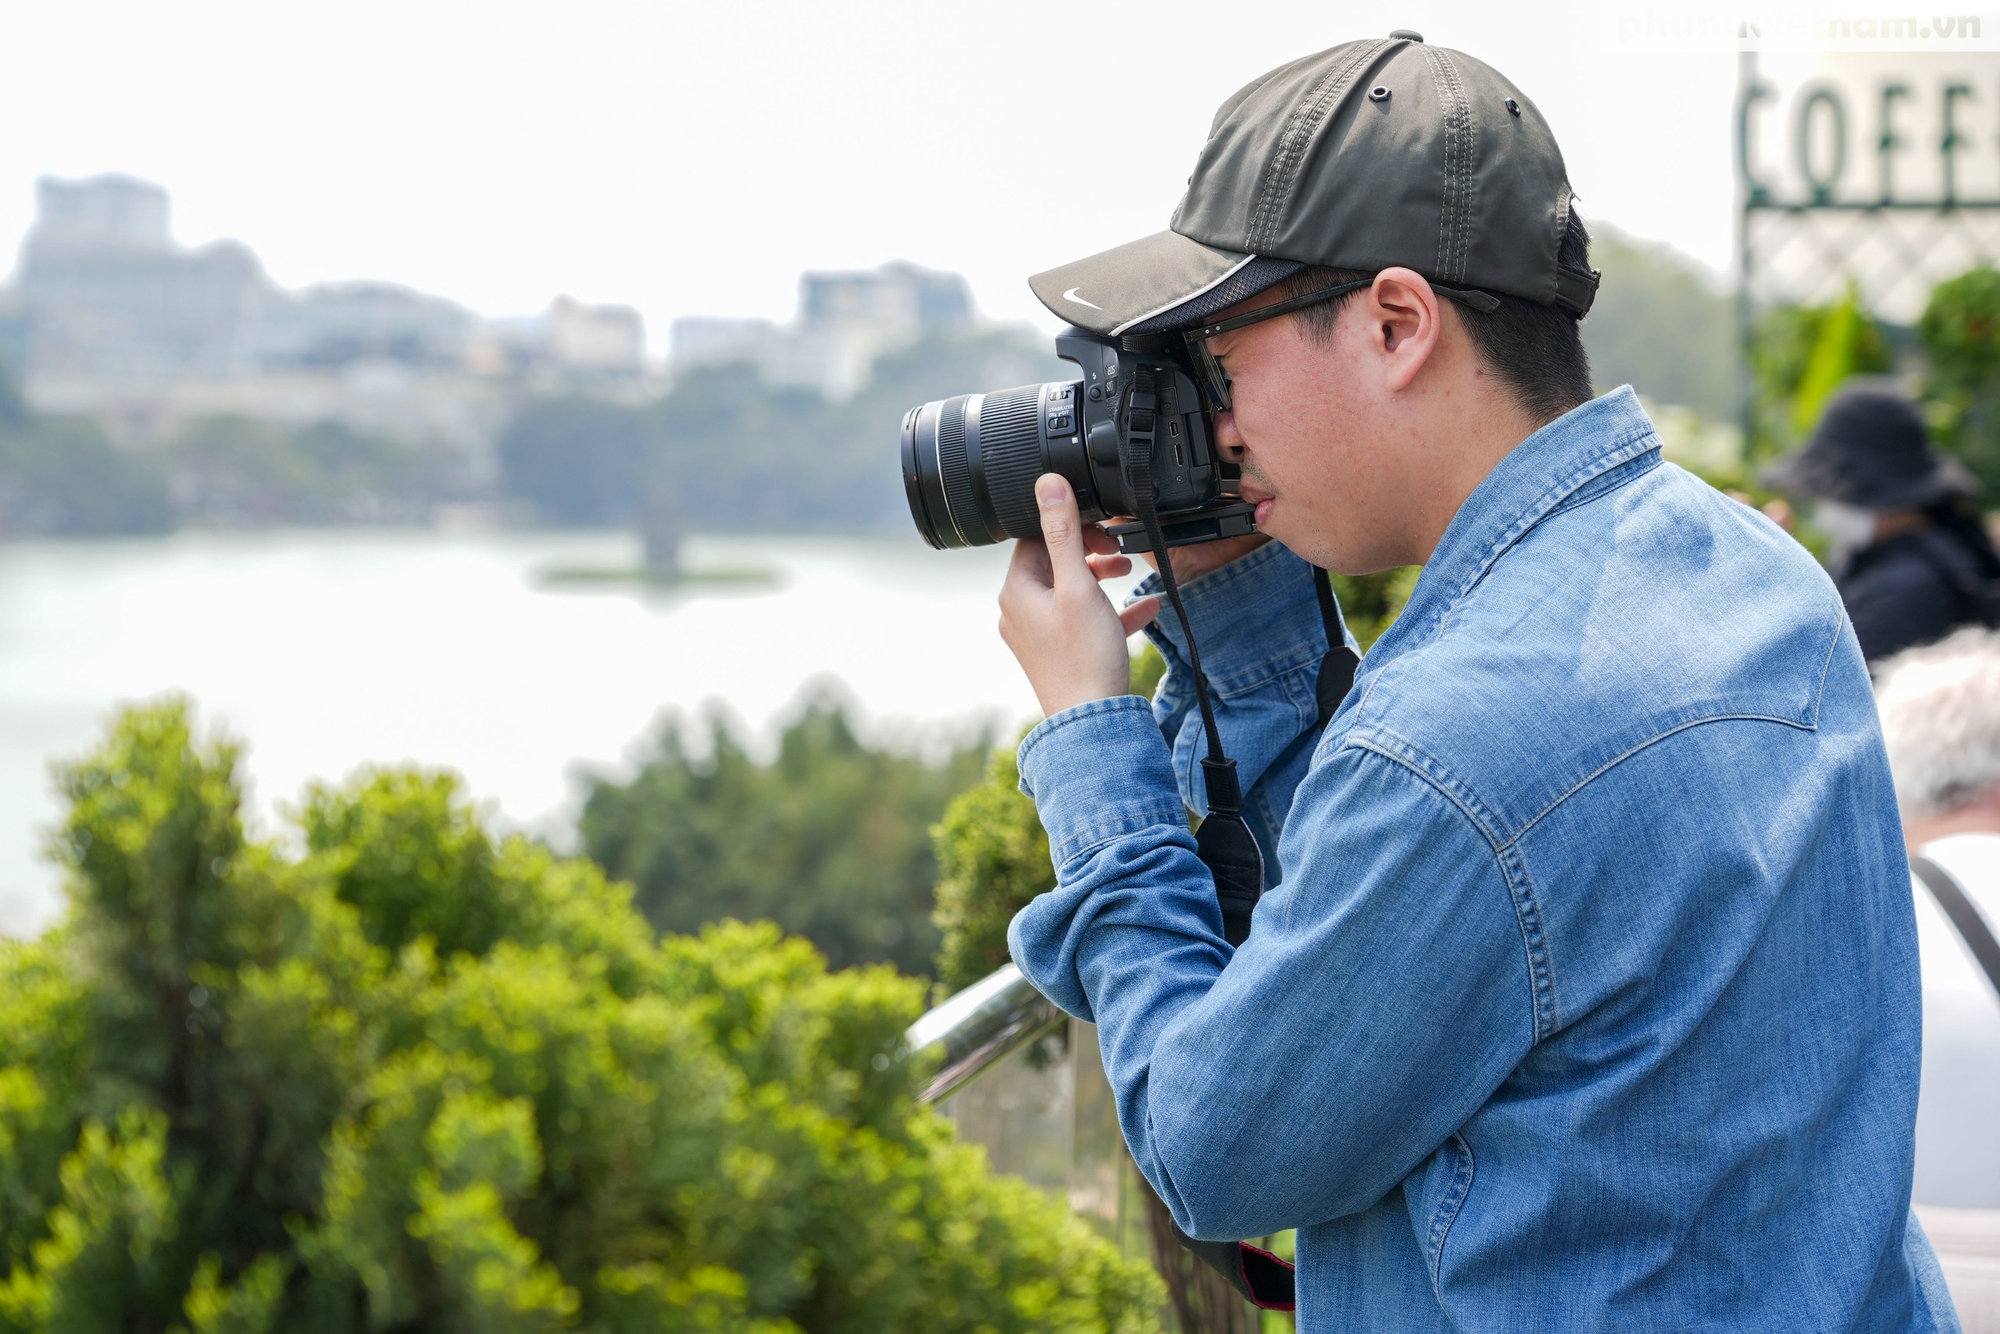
970	462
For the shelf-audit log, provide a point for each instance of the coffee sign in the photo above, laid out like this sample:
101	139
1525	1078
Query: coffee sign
1870	132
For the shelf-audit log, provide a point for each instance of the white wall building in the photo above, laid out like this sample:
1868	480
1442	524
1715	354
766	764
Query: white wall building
107	315
595	339
845	321
107	296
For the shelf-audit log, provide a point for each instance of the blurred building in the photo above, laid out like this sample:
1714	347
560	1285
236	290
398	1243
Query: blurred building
898	300
594	339
569	344
107	296
845	321
108	315
338	324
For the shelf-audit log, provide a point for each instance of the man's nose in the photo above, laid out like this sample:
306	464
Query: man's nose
1228	439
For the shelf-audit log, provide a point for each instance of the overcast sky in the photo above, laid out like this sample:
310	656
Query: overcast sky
693	158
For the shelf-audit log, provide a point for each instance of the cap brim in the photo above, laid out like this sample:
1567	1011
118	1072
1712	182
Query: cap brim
1112	292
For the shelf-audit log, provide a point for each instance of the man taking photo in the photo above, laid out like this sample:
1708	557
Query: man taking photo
1586	993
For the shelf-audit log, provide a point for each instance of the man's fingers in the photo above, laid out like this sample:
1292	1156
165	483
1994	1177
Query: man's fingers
1097	541
1139	615
1062	530
1030	561
1108	566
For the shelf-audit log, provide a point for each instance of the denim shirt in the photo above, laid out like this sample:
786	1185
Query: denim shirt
1587	998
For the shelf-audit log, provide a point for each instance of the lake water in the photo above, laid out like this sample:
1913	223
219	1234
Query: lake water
329	650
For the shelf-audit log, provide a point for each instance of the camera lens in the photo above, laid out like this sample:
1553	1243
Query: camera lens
970	464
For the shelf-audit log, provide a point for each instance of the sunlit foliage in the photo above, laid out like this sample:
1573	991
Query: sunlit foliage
397	1075
830	839
1960	330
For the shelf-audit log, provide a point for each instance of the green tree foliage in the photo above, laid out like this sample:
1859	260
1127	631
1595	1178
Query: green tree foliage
1148	669
235	470
247	1090
580	460
742	454
1848	342
1661	323
993	857
829	840
1370	603
1960	332
1799	356
63	476
737	454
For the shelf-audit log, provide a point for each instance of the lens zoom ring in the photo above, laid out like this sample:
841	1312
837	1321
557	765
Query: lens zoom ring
1010	452
956	471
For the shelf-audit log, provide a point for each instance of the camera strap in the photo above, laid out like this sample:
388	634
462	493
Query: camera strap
1266	1281
1223	840
1337	668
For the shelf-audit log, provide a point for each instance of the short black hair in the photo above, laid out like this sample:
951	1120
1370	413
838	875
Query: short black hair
1536	351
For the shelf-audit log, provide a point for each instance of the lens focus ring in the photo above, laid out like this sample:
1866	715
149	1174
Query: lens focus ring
956	472
1010	454
970	464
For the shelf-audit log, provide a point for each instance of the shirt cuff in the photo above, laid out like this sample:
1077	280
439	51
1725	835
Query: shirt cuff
1098	772
1255	619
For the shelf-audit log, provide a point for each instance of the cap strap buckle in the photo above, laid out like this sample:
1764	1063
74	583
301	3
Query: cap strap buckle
1576	290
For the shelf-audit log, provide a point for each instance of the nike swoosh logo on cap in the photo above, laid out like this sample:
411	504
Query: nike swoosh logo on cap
1071	295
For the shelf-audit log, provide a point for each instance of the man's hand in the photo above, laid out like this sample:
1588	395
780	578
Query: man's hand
1063	629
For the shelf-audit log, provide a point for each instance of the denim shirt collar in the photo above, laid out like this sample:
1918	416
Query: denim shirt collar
1578	451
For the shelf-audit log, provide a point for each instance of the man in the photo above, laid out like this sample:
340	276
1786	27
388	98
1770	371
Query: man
1587	998
1910	557
1940	710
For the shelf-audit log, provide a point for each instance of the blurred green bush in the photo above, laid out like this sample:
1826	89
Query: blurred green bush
242	470
395	1075
736	454
62	476
1960	331
1799	355
1370	603
830	840
993	856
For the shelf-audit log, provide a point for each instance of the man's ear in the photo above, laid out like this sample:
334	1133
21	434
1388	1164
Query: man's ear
1405	323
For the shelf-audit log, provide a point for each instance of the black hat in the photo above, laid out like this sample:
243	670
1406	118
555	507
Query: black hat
1871	450
1368	155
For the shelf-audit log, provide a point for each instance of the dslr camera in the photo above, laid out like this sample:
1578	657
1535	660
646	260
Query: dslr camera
1136	422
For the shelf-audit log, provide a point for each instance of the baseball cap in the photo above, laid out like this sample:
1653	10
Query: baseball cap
1369	155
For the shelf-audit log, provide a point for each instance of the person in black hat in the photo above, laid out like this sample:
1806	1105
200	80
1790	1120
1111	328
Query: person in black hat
1910	556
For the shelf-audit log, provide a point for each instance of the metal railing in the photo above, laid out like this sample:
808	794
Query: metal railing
979	1026
1048	1116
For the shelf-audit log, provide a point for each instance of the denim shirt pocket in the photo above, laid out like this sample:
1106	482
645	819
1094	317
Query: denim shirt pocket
1436	1193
